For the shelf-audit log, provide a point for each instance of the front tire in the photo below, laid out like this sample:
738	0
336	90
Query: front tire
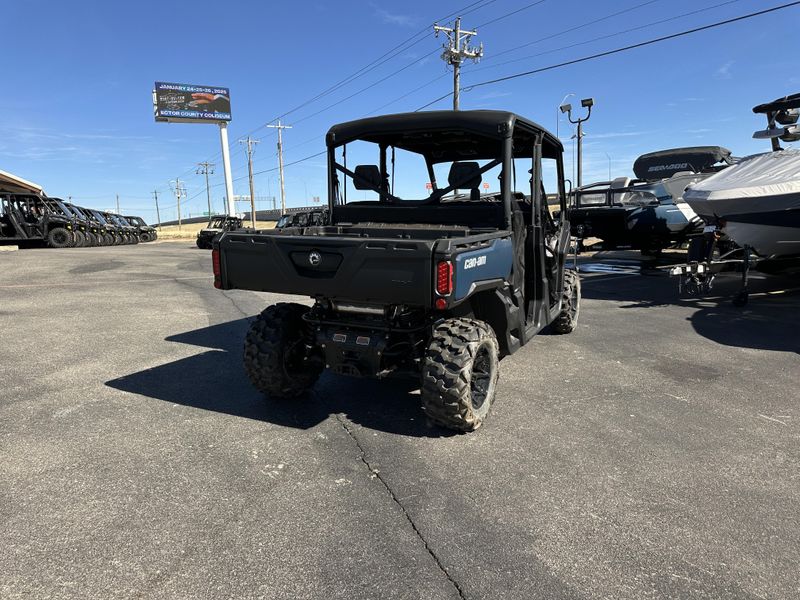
567	319
459	374
275	357
60	237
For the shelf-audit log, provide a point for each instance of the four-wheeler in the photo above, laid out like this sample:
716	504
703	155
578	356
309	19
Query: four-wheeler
27	218
216	225
439	287
648	213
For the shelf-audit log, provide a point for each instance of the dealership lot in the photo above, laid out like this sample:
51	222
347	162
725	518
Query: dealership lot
652	453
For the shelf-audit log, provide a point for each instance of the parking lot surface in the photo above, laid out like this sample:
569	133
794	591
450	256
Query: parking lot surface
653	453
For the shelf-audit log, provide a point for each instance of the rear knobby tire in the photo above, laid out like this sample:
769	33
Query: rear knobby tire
274	352
60	237
567	319
459	374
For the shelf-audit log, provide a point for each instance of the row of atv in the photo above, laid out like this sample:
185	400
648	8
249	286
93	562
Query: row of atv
29	218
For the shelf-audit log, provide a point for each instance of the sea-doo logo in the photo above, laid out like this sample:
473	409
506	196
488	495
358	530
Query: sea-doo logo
477	261
314	258
672	167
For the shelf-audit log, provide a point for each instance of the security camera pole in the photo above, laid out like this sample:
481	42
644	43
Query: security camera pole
456	50
567	108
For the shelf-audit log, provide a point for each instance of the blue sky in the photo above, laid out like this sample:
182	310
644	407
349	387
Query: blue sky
77	113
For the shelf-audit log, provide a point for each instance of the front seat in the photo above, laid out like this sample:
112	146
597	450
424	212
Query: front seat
466	175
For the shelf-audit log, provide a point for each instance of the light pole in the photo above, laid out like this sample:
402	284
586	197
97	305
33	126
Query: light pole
558	112
567	108
608	156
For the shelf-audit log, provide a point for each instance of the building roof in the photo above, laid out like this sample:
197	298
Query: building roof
12	183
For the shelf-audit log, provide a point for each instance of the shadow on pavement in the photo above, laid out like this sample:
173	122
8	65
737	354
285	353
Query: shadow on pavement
215	381
766	323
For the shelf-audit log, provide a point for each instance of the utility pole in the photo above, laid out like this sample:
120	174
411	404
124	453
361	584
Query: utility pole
158	214
180	192
250	142
117	203
206	168
456	50
280	128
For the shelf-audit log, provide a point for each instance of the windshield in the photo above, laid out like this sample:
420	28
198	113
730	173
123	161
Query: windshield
99	217
56	205
136	221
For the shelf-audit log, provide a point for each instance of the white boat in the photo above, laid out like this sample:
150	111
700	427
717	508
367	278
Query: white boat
755	202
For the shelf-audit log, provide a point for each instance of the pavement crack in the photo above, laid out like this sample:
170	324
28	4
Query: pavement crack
375	473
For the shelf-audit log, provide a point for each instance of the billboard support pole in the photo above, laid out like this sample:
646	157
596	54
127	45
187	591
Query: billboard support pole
226	167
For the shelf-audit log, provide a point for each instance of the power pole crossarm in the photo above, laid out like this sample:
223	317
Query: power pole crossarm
250	143
280	129
456	51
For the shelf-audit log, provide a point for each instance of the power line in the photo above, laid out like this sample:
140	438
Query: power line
620	50
610	35
513	12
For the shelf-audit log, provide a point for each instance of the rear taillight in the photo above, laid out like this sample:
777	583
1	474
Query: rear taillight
217	270
444	278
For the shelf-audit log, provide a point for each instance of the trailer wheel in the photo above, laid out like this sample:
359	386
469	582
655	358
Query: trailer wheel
567	319
59	237
459	374
275	357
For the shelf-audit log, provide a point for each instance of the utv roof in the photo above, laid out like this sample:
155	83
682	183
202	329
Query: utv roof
439	134
666	163
14	184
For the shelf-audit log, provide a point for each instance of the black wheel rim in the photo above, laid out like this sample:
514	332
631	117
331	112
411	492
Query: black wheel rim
481	379
61	237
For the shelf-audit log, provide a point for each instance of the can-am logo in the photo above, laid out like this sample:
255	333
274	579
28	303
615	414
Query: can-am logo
477	261
672	167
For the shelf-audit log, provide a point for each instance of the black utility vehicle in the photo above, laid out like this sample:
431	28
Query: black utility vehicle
439	287
647	213
216	225
305	218
147	233
29	218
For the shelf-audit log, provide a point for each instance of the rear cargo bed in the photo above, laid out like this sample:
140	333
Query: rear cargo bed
367	270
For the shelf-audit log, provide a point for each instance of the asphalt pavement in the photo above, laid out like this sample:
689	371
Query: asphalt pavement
653	453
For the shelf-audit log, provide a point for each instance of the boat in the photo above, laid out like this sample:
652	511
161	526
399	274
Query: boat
647	213
756	202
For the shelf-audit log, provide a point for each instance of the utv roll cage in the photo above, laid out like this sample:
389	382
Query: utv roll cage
461	138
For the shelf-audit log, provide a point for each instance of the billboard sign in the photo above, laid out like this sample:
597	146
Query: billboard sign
191	103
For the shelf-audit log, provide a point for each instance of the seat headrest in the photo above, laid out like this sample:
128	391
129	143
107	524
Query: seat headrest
465	175
368	177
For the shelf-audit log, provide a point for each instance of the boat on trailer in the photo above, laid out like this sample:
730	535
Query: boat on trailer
755	203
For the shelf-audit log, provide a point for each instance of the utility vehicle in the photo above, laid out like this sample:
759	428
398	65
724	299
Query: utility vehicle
304	218
28	218
216	225
147	233
417	271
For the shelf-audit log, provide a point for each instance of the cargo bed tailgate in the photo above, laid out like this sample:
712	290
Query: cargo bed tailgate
385	271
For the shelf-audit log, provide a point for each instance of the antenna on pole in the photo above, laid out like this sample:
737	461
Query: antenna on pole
456	50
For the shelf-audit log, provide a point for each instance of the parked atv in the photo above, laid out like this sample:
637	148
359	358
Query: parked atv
216	225
439	287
